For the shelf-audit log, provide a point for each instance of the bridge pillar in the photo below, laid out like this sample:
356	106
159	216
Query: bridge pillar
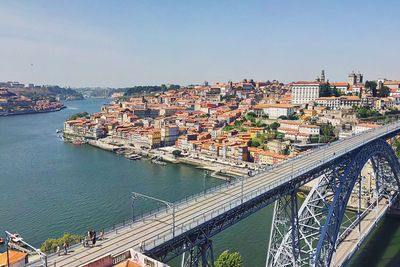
201	255
285	220
322	213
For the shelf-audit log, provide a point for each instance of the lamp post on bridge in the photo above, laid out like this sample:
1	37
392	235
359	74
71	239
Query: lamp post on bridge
169	205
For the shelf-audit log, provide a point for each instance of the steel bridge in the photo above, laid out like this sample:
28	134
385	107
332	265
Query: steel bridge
300	236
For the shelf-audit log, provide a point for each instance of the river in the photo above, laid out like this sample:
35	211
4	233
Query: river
48	187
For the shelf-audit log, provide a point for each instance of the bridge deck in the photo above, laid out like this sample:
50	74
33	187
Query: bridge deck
350	244
157	228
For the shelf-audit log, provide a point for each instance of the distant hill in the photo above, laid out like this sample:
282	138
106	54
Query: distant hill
47	91
140	90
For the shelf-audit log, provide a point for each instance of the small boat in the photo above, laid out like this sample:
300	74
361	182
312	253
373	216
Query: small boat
133	156
77	142
16	238
119	151
58	131
1	241
158	162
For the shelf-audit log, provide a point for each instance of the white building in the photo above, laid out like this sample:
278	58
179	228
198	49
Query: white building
304	92
274	111
331	102
362	127
295	130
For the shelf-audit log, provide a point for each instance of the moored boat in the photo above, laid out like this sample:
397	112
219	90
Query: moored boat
133	156
77	142
155	161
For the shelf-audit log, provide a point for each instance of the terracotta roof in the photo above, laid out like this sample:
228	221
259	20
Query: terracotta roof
14	256
273	106
306	83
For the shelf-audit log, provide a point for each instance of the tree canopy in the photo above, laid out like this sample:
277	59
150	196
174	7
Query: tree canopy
229	259
50	245
79	115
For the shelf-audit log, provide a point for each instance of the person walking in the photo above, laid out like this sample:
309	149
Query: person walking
58	250
65	248
90	235
94	238
102	234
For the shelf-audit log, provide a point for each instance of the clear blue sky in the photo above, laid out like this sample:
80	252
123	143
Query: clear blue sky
124	43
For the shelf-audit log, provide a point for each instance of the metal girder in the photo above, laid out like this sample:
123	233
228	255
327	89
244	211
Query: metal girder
193	237
285	221
310	218
201	255
323	211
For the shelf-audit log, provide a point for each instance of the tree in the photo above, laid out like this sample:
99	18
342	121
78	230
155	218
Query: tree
327	133
227	259
50	245
176	153
275	125
335	91
371	85
384	91
251	114
78	115
255	143
325	90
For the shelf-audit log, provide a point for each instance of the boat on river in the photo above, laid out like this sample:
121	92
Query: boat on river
133	156
159	162
77	142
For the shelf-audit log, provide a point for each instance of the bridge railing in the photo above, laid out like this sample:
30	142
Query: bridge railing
152	214
191	223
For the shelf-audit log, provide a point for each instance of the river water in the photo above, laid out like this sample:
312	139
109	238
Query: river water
48	187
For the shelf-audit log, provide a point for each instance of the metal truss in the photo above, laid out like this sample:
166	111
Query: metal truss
201	255
194	237
323	211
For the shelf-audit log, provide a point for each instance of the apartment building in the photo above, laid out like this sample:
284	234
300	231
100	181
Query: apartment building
304	92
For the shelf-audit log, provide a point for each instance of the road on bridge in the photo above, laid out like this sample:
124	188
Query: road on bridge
157	228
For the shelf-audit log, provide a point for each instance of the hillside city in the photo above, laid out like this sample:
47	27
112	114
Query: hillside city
246	124
18	98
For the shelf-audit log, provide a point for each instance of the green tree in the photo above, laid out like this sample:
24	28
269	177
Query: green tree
78	115
384	91
238	123
275	125
325	90
227	259
335	91
255	142
176	153
327	133
50	245
251	114
371	85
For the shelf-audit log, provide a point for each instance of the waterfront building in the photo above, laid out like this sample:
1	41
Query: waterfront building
304	92
169	134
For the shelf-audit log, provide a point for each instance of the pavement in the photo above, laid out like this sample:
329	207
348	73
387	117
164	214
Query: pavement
350	244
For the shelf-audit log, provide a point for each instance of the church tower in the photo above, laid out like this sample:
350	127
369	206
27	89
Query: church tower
323	76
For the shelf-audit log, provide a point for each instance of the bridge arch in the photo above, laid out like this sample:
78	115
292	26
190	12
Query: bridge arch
318	221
